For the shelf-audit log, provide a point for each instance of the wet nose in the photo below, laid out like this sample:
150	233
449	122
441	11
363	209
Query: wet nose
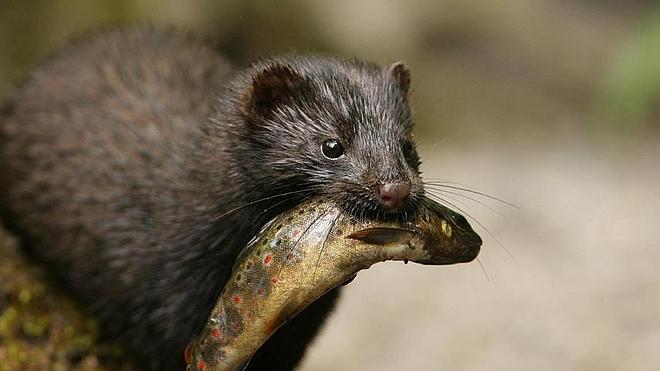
393	194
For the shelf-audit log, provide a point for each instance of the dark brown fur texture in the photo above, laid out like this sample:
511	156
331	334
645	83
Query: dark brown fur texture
128	161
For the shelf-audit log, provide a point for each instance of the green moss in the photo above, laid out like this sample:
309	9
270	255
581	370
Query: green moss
41	328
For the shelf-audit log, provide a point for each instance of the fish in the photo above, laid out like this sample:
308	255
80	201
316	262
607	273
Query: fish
300	255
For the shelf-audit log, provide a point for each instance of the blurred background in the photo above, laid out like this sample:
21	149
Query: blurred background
552	105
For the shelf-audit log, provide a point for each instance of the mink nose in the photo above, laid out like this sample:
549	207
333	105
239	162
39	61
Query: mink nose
393	194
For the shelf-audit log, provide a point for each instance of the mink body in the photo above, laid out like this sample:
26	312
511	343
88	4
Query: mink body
137	164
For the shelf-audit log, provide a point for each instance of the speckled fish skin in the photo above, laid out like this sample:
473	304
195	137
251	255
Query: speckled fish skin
302	254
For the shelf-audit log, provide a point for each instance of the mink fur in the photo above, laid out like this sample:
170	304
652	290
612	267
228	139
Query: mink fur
137	164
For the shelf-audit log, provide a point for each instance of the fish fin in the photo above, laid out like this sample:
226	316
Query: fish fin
381	236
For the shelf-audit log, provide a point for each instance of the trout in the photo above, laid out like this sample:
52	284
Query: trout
305	252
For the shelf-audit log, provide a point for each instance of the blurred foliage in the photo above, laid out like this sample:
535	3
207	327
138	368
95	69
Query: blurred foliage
481	70
630	97
31	29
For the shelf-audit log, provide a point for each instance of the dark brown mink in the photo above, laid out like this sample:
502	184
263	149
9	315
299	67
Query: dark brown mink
136	164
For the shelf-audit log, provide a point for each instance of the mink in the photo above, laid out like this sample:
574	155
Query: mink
137	163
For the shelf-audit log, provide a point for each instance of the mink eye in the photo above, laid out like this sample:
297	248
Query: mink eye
332	149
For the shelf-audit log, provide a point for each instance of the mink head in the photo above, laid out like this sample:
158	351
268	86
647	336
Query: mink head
337	128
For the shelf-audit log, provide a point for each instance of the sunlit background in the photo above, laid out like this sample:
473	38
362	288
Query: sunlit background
552	105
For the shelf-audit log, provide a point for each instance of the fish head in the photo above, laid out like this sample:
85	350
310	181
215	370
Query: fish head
439	236
447	236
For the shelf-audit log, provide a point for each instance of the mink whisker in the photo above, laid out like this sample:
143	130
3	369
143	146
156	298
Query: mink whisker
325	239
308	189
447	193
302	235
460	187
454	199
266	210
483	269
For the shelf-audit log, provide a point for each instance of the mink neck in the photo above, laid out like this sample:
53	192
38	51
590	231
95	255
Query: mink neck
202	222
220	203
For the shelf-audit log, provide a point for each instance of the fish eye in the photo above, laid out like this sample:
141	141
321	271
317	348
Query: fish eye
332	149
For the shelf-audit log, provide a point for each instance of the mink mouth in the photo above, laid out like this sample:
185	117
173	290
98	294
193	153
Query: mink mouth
356	202
373	210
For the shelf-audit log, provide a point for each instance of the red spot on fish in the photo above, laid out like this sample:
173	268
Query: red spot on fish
187	353
216	333
235	326
268	259
274	280
201	365
296	233
236	299
261	291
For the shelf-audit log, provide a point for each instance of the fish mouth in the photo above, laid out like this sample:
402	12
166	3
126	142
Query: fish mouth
471	247
467	256
470	254
463	250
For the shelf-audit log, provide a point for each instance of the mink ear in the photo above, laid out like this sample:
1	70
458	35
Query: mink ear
270	86
400	73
